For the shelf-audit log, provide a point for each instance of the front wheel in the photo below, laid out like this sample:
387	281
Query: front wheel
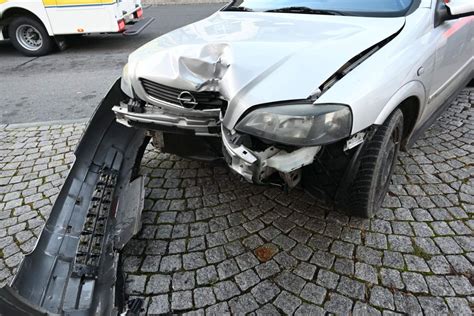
30	37
377	162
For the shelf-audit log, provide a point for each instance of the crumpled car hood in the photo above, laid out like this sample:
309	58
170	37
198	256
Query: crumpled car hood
256	58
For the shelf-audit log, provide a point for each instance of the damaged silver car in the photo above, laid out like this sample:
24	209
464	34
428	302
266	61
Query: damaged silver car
322	93
313	92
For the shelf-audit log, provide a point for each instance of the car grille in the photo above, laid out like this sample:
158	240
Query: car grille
207	100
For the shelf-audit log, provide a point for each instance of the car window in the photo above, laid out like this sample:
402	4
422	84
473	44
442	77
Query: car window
346	7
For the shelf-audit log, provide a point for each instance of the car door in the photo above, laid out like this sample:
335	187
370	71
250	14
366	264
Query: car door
454	54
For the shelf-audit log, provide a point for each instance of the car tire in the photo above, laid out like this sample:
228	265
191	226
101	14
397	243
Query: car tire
377	161
30	37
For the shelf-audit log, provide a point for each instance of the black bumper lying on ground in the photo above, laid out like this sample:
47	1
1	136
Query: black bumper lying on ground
73	268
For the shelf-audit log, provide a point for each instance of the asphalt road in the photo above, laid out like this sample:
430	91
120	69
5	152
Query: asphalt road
68	85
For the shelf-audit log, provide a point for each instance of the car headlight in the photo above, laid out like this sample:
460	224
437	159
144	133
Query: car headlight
299	124
126	84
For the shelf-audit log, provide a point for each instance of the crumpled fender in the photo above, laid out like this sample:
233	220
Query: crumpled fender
98	209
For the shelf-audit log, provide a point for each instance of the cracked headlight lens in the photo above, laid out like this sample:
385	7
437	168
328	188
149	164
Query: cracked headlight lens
299	124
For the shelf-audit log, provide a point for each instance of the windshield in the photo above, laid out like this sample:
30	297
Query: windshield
345	7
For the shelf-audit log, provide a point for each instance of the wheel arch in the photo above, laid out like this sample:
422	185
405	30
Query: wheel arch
410	100
12	12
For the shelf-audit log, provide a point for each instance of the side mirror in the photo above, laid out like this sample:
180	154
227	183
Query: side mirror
453	9
460	8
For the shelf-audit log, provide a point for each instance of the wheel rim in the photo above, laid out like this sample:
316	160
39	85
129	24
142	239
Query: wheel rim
389	156
29	37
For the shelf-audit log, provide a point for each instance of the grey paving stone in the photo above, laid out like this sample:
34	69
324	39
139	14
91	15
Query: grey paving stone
203	297
183	281
285	260
287	302
136	284
439	286
366	273
284	242
415	263
414	282
391	278
338	304
439	265
375	240
344	266
170	263
246	279
400	243
225	290
351	288
313	293
265	291
363	309
159	305
158	283
181	300
393	260
218	309
433	305
299	234
290	282
381	297
215	255
458	306
460	284
442	228
461	265
227	269
309	309
302	252
323	259
206	275
193	260
305	270
234	248
252	242
342	249
266	310
319	242
246	261
369	255
243	304
327	279
448	245
267	269
407	303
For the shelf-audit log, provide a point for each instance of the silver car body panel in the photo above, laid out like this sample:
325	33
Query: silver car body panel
260	58
255	58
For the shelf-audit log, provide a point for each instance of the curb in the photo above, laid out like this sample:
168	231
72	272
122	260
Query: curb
44	123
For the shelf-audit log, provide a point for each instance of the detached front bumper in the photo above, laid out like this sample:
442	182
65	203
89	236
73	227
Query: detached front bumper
74	267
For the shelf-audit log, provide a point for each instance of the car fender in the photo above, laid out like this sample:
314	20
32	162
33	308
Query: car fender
411	89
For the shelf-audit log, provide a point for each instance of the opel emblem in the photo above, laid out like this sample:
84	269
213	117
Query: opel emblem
187	100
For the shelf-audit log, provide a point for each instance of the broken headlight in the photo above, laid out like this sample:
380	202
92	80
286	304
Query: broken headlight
299	124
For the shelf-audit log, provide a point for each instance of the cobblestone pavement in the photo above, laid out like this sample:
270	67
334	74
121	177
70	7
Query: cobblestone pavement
204	231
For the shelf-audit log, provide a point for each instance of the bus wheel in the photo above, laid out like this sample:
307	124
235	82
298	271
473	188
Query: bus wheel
30	37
